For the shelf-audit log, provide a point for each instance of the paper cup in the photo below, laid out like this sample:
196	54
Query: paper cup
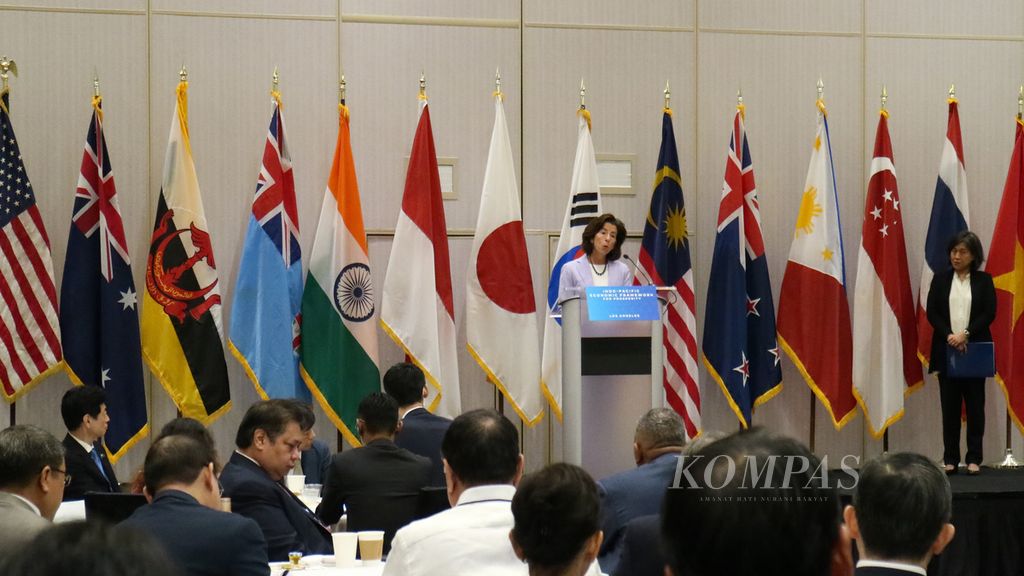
371	546
295	482
345	548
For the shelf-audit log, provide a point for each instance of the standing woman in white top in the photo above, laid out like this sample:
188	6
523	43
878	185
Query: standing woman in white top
600	265
961	306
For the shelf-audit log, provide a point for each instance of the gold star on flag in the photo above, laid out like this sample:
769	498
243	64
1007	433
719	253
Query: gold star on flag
1013	282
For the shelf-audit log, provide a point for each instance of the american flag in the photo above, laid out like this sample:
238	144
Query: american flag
665	256
29	329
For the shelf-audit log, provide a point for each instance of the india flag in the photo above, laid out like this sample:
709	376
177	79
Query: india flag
339	335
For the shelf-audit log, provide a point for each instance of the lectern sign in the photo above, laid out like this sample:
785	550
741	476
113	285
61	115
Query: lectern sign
619	303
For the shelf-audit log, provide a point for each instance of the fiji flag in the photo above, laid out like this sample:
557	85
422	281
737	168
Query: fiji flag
99	315
264	334
665	256
740	347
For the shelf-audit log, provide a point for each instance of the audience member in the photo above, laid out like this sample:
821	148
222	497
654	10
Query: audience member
268	442
421	432
378	484
557	528
184	427
754	503
482	467
185	517
900	515
32	480
94	549
84	410
314	454
658	440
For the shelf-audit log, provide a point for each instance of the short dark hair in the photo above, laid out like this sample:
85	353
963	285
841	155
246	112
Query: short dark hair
193	429
902	502
79	401
405	382
175	459
90	548
782	529
595	226
24	451
305	410
379	413
661	428
556	510
482	447
970	241
271	416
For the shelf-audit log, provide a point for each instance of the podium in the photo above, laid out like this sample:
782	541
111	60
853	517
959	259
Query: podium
611	375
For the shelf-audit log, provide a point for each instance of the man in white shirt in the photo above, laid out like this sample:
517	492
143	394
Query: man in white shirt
482	465
32	480
900	515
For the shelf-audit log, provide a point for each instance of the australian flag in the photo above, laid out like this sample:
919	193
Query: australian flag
265	316
98	303
740	344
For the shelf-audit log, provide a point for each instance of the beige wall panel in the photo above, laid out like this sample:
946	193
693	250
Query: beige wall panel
625	74
778	76
945	17
791	15
492	9
256	8
77	5
383	64
661	13
918	112
50	104
230	64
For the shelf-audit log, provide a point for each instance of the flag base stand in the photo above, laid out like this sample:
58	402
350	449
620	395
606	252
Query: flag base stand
1009	462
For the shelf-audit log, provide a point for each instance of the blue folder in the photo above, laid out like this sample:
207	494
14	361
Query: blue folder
979	361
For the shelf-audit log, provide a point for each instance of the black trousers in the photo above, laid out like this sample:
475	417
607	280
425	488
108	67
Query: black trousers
971	392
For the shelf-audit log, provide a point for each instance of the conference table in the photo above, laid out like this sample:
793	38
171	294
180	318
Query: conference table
314	566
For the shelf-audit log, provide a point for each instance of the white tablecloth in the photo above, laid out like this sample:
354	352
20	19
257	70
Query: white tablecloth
313	566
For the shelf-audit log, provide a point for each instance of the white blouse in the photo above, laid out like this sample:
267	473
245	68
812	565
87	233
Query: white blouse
959	303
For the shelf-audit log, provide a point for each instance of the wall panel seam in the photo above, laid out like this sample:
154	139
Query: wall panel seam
246	15
72	10
613	27
430	21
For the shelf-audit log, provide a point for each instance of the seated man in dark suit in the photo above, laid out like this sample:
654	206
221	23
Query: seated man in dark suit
315	456
184	513
421	432
754	503
900	515
658	440
379	483
268	442
84	410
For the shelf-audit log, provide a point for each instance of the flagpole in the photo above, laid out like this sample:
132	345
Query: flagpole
7	66
885	113
814	404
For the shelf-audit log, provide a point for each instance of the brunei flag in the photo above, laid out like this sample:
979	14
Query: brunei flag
181	341
339	343
98	302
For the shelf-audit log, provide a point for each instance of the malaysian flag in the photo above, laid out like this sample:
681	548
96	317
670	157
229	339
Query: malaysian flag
665	255
740	347
98	300
29	329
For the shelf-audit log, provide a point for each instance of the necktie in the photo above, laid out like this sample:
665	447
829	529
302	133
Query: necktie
95	452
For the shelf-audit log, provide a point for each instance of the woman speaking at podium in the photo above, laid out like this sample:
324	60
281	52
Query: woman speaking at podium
961	305
600	266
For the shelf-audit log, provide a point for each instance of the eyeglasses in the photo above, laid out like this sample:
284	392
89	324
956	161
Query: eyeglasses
67	477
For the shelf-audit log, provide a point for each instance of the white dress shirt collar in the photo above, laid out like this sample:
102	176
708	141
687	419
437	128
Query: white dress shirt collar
27	501
914	569
85	445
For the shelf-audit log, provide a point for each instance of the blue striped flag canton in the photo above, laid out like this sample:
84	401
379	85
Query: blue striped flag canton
15	190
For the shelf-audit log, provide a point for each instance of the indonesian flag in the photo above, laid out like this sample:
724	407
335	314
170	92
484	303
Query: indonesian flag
501	313
884	334
584	204
1006	265
814	316
417	310
339	336
950	215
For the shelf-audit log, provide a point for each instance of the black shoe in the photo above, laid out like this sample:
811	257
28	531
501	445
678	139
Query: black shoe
950	469
973	469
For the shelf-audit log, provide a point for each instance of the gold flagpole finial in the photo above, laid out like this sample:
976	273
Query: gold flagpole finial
739	97
95	83
952	91
583	95
7	67
497	81
885	97
821	88
668	96
183	74
1020	102
276	80
423	85
341	89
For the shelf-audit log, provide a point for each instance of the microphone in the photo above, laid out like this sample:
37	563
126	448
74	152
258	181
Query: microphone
637	268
